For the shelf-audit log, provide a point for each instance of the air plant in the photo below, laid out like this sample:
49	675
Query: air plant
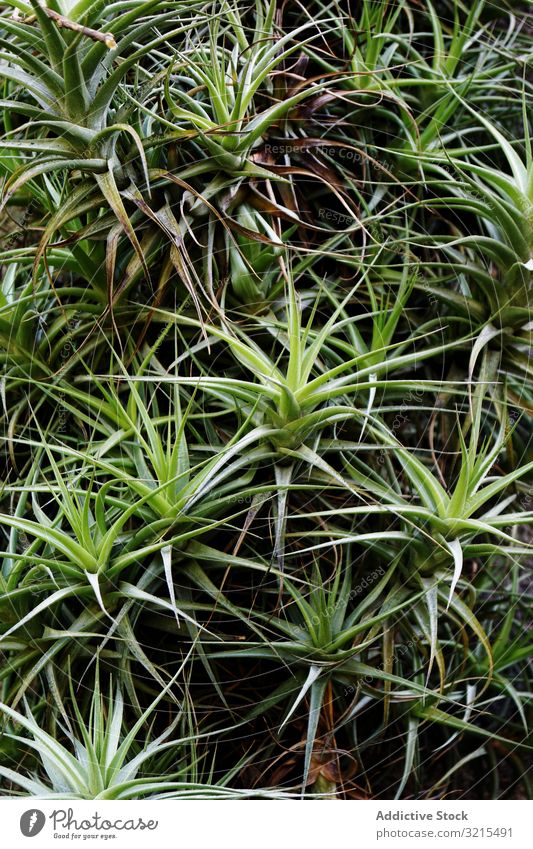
265	400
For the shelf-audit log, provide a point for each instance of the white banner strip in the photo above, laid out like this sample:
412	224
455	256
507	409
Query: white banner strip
267	825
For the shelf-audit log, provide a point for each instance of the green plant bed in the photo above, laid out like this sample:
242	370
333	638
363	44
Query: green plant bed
266	399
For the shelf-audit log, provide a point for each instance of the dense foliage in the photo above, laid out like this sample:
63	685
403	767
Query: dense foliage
266	398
